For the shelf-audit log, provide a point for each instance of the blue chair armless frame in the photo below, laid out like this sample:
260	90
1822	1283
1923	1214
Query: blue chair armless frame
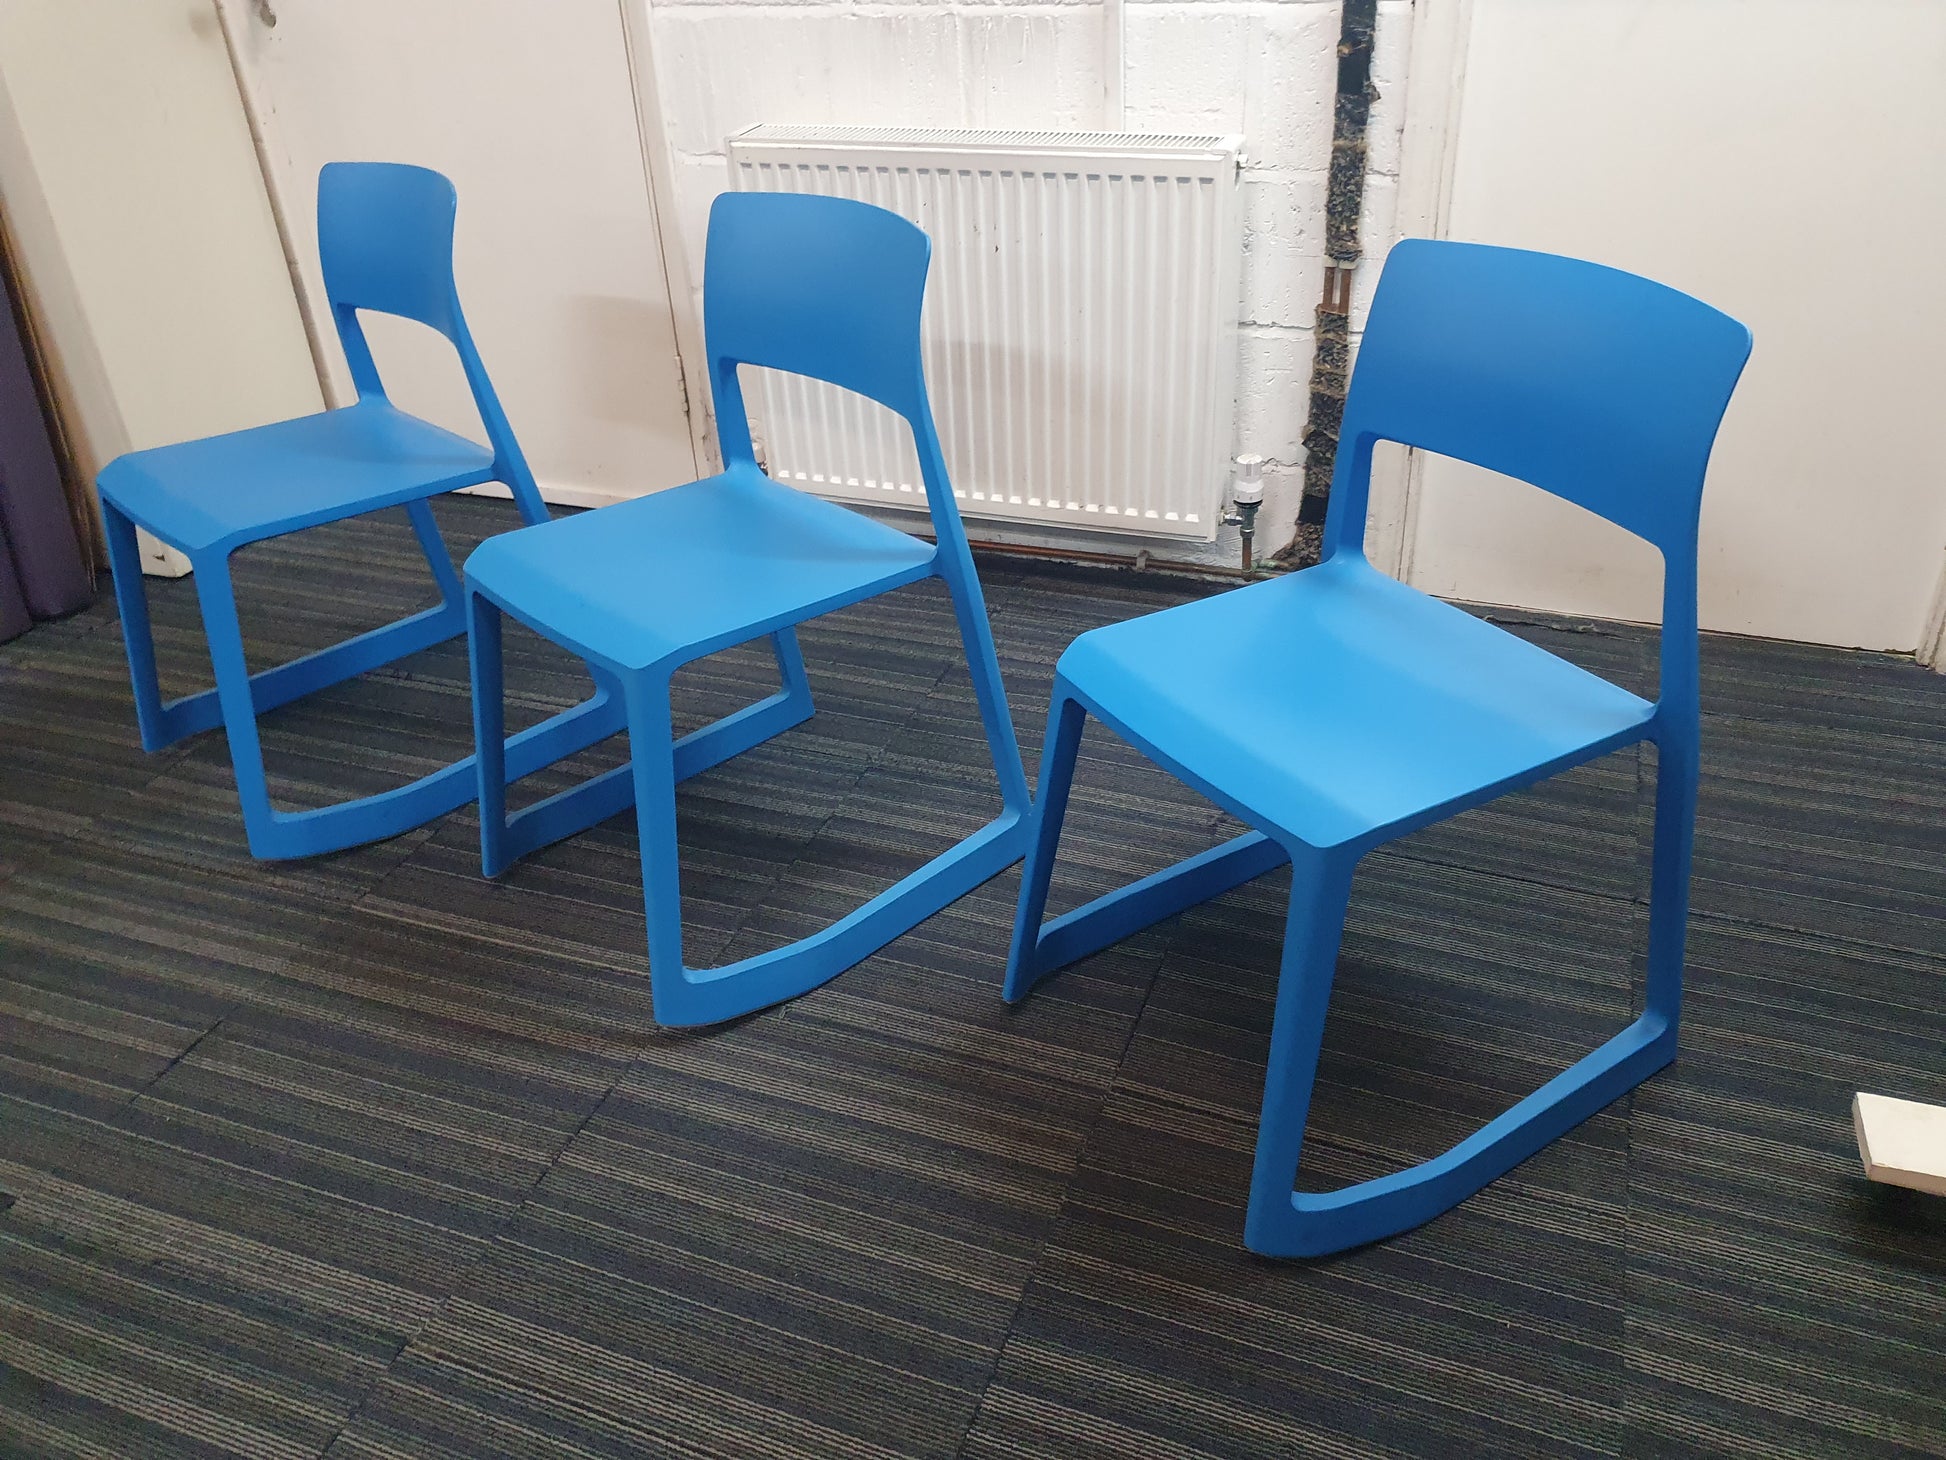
385	237
1597	386
821	287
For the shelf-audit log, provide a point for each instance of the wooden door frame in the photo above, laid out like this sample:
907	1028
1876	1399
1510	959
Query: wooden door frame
334	377
660	167
1932	635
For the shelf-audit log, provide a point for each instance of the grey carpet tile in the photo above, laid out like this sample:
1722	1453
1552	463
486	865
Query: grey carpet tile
1586	829
68	744
188	817
577	906
1449	1005
1129	1344
367	1156
110	969
129	906
87	1035
1495	1330
1807	879
1763	1270
554	1007
256	1224
1779	1303
1800	687
1782	999
339	1148
810	1230
124	1349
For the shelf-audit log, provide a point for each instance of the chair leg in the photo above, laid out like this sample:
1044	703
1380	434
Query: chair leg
505	839
690	996
983	666
132	604
708	996
687	996
1283	1222
1066	719
277	834
796	690
489	729
163	723
1320	892
239	697
426	528
651	743
1038	949
1677	772
217	596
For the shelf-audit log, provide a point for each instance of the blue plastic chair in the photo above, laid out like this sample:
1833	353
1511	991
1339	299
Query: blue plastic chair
385	233
820	287
1390	710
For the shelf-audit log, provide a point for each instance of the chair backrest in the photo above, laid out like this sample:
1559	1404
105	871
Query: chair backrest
385	239
818	286
1596	385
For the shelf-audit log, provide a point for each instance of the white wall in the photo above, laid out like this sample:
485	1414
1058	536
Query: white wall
1781	159
1264	68
348	77
145	235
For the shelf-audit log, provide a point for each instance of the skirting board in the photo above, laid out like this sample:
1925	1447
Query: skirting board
556	494
159	560
1902	1142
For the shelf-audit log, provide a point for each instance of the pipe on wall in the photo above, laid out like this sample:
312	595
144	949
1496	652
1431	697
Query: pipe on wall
1344	201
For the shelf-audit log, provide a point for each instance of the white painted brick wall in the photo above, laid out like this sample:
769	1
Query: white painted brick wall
1264	68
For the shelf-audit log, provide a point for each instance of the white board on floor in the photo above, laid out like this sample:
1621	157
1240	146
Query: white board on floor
1901	1142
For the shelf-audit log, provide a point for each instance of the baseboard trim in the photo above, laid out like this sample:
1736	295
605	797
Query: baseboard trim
557	494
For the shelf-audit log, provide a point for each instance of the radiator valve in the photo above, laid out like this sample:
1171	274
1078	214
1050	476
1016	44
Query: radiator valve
1246	496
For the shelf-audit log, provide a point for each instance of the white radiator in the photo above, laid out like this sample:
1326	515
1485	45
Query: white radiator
1080	327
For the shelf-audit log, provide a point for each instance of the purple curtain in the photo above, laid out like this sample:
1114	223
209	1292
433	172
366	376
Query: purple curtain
42	571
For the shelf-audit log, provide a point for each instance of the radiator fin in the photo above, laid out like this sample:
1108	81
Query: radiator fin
1080	323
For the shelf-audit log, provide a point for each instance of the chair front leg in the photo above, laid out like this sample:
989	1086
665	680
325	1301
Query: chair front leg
796	680
489	729
1677	772
1283	1222
983	666
652	766
426	528
1320	893
217	595
1066	719
1041	949
132	604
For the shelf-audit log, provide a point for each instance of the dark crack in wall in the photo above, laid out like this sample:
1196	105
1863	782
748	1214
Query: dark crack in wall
1331	363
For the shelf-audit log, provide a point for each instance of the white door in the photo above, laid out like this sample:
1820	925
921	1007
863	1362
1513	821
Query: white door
151	258
528	106
1782	161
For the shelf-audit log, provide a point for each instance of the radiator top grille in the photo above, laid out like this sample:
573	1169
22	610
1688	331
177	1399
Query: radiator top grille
1025	145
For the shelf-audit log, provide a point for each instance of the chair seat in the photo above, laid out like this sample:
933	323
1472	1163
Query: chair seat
681	573
1337	703
224	491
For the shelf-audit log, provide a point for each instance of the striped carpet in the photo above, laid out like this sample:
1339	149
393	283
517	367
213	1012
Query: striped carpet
365	1156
